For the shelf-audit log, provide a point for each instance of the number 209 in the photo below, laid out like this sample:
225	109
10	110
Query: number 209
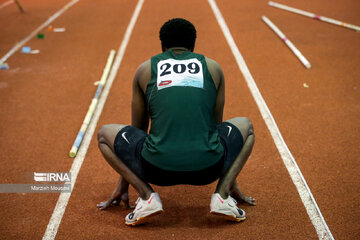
192	68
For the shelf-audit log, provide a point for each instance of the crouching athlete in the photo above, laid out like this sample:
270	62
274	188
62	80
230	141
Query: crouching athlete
183	94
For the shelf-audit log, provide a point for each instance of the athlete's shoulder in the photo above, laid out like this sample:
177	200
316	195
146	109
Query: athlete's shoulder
214	68
144	67
143	74
212	63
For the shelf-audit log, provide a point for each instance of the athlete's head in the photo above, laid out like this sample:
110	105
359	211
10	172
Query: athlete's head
178	32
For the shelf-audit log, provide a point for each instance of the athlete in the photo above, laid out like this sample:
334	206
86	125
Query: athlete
183	94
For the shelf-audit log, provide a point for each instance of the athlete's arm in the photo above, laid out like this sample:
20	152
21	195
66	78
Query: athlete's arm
220	99
219	81
139	113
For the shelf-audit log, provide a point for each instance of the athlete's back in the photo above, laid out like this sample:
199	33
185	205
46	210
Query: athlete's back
181	100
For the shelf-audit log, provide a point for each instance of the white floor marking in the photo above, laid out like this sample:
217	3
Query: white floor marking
63	200
6	3
306	196
31	35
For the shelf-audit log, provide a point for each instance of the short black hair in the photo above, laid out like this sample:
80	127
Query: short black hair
178	32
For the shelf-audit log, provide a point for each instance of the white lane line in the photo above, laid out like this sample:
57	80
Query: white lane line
6	3
63	200
37	30
306	196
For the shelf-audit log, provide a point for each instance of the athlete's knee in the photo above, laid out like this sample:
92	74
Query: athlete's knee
240	121
244	125
251	128
101	135
107	134
250	132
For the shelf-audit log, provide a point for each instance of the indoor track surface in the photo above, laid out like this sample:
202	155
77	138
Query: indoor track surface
304	168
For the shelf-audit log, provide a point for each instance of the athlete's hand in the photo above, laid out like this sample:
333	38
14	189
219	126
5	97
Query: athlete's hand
249	200
119	196
103	205
116	199
240	197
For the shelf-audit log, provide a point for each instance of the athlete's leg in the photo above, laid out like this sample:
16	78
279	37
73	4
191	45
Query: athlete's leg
227	183
106	138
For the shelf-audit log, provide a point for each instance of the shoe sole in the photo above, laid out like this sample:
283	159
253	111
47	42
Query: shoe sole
229	217
142	220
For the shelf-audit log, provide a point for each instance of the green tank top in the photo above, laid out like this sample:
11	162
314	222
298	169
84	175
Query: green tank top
181	99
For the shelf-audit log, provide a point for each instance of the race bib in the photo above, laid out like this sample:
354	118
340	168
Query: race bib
184	73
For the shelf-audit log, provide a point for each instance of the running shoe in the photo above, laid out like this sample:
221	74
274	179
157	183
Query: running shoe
144	209
226	208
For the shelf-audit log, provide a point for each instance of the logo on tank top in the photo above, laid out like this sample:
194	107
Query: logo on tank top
165	82
180	73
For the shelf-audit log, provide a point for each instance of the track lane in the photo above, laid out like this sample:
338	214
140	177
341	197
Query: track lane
47	96
15	25
319	123
279	214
